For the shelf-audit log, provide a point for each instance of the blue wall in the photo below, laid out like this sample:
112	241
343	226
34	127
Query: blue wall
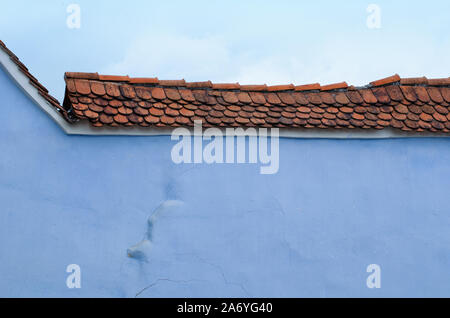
334	207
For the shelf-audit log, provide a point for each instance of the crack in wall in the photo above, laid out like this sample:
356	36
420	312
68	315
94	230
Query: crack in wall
166	280
142	250
225	279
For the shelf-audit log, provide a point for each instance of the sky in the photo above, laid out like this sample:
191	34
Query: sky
246	41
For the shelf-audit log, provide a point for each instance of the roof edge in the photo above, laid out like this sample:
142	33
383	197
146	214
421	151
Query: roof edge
32	88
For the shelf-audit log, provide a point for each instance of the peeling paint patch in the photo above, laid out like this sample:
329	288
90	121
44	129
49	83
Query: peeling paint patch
141	251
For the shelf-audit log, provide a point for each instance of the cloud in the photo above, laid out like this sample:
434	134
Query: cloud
357	59
174	57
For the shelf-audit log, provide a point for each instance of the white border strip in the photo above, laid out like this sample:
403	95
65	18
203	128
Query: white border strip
84	128
23	82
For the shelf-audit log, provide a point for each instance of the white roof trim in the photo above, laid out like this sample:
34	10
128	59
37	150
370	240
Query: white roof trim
23	82
84	128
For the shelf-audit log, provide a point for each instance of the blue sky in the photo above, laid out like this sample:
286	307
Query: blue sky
251	42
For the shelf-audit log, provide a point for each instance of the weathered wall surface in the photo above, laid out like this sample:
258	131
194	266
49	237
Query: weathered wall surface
334	207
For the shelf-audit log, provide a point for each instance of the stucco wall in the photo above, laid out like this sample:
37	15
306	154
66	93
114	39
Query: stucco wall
334	207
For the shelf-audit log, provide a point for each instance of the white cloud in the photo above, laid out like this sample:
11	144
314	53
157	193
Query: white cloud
357	60
174	57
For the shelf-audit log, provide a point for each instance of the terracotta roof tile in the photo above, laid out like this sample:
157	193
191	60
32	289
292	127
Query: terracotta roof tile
314	98
272	98
395	93
121	119
158	93
355	97
144	80
83	87
226	86
414	81
381	95
422	94
327	98
445	91
113	78
112	89
435	94
341	98
334	86
207	84
254	87
230	97
410	106
277	88
439	82
177	83
308	87
90	76
98	88
128	91
408	92
368	96
387	80
286	98
172	93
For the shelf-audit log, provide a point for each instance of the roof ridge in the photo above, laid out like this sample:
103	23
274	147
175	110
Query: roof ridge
154	81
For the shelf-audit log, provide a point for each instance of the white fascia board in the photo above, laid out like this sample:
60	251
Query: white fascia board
23	82
84	128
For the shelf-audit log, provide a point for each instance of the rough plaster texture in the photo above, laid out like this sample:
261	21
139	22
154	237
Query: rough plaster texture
137	224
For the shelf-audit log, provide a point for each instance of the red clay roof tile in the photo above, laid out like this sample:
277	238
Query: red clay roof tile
230	97
207	84
415	105
158	93
277	88
439	82
308	87
435	94
334	86
445	91
178	83
226	86
387	80
91	76
255	88
128	91
381	95
422	94
409	93
368	96
83	87
286	98
113	78
395	93
414	81
272	98
341	98
98	88
144	80
172	94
